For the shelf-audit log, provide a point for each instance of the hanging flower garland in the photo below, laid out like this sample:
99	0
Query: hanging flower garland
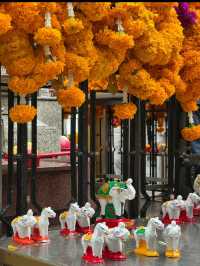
5	23
192	132
125	110
72	25
22	113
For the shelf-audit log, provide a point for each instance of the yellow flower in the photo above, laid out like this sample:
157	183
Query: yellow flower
72	25
48	36
22	86
22	113
125	110
5	23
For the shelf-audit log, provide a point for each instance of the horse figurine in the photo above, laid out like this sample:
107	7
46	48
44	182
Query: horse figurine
114	242
146	238
22	227
93	244
41	229
83	218
196	187
172	209
188	210
68	219
172	234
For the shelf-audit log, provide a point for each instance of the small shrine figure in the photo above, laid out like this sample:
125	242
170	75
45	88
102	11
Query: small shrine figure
172	235
112	195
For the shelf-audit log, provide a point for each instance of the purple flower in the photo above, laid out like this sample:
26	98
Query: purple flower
185	16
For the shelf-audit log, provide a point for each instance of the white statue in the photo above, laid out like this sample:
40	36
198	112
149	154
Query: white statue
42	224
192	200
148	236
96	241
70	218
22	225
120	196
116	237
172	235
196	185
173	208
85	214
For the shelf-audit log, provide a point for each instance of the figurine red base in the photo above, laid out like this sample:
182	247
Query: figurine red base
22	241
196	211
64	232
166	220
185	219
117	256
82	230
130	224
88	257
37	237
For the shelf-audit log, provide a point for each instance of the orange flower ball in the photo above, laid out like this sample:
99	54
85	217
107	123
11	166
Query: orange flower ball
72	97
48	36
72	25
125	110
5	23
191	133
22	113
22	86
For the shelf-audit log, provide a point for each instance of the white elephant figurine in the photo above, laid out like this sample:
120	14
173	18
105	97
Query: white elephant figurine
115	240
22	228
172	235
84	216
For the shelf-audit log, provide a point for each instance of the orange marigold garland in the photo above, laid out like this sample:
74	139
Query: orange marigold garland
22	86
22	113
72	97
5	23
125	110
192	132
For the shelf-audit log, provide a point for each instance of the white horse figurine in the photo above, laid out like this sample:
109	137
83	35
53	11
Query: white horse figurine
95	241
115	239
85	214
42	225
173	208
146	238
196	185
22	226
172	235
192	200
70	218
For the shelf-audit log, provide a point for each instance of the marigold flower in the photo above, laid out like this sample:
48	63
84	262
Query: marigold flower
72	25
22	113
21	66
125	110
48	36
5	23
191	133
189	106
23	86
72	97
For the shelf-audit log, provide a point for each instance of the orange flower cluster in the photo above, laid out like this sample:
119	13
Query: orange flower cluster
125	110
72	97
191	133
22	113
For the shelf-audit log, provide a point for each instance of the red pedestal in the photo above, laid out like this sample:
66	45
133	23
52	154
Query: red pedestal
166	220
37	237
185	219
88	257
22	241
82	230
117	256
196	211
114	222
